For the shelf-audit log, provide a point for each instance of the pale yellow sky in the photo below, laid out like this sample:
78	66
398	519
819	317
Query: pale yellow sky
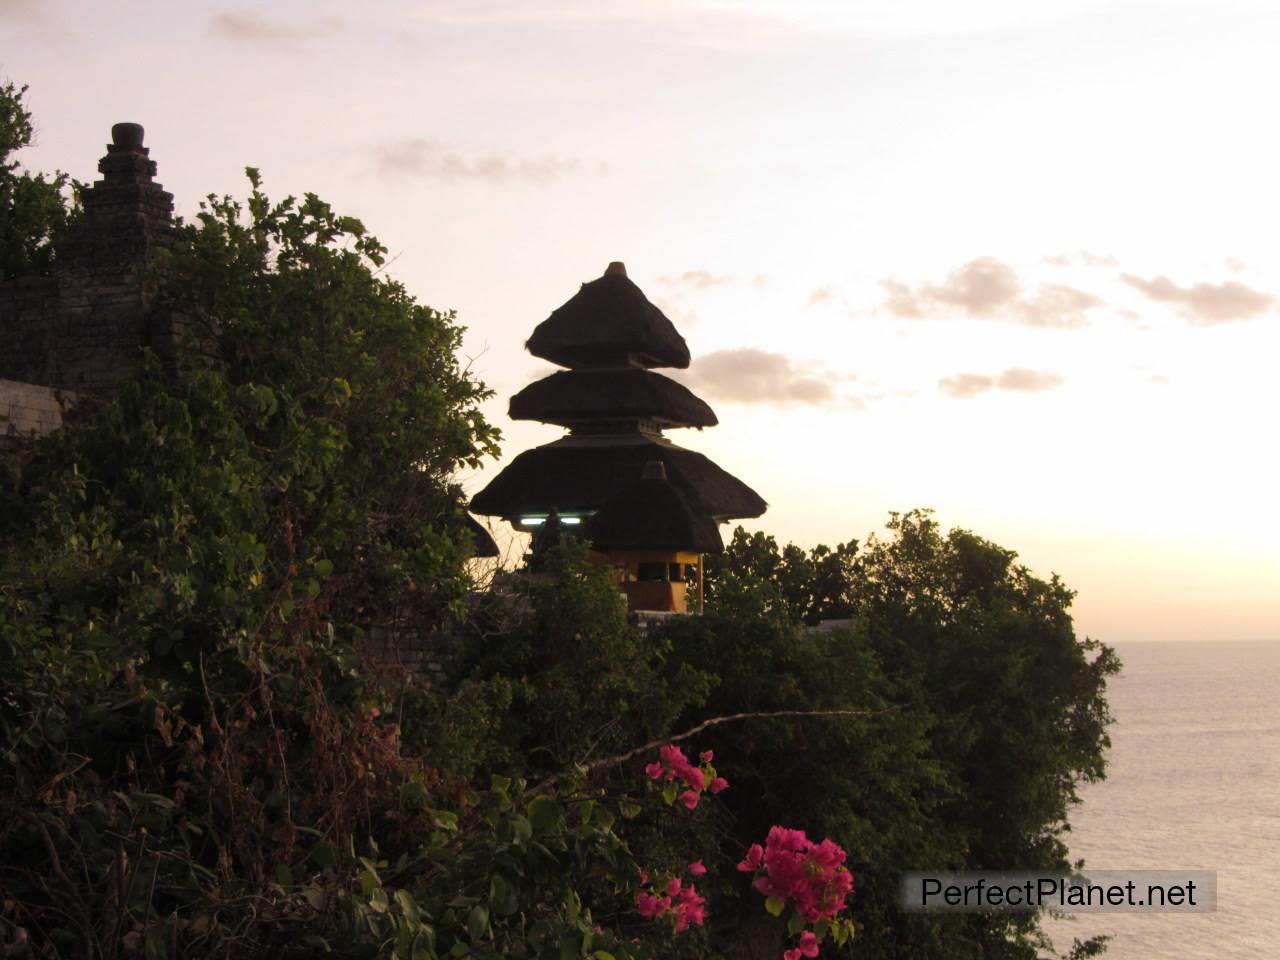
1014	261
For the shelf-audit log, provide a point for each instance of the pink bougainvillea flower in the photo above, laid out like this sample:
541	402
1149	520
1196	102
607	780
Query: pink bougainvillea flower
810	876
675	760
753	859
673	886
706	756
650	906
689	909
791	955
655	770
808	945
718	784
690	799
697	868
826	854
792	841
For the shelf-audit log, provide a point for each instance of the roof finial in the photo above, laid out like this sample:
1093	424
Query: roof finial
127	135
616	269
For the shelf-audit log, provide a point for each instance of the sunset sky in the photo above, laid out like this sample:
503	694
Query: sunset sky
1017	261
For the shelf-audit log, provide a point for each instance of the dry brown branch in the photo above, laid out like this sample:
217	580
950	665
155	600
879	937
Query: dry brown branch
620	758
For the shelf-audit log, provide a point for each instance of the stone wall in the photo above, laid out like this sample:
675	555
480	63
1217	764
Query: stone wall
28	409
83	328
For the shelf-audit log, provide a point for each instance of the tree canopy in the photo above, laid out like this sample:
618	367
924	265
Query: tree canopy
198	757
35	209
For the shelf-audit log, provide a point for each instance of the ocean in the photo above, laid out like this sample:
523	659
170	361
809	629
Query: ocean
1193	783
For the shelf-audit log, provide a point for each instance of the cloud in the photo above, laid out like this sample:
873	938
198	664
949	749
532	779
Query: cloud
697	280
1098	259
1017	379
706	280
1206	303
821	295
36	21
23	9
751	375
431	160
1083	257
966	384
1028	381
989	289
250	26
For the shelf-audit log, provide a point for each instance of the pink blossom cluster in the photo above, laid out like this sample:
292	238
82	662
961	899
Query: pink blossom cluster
679	900
674	765
806	947
811	876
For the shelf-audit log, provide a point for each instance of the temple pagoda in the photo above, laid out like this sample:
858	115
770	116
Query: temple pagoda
651	509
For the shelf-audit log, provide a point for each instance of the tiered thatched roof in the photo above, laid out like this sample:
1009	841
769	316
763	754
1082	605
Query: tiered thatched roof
573	397
652	514
609	321
608	334
485	545
579	475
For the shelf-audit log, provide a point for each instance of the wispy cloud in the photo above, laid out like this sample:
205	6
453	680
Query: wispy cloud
36	20
700	279
1206	303
751	375
1017	379
821	295
431	160
1082	257
21	9
249	26
989	289
697	280
1028	381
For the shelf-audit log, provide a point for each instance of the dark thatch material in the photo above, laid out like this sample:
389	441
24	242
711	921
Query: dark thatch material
485	545
609	320
583	474
652	514
572	397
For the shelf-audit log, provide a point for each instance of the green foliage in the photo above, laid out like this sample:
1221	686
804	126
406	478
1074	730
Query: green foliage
196	760
805	587
1002	712
35	209
584	684
188	735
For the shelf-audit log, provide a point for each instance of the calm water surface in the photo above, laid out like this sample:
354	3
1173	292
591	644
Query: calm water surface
1194	783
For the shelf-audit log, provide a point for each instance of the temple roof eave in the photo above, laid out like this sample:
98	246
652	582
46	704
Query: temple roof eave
582	474
574	397
609	320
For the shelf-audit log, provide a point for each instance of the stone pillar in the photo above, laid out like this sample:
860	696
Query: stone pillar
104	316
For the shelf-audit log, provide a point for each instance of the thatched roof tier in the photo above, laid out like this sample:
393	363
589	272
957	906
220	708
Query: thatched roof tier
582	474
652	514
485	545
573	397
609	321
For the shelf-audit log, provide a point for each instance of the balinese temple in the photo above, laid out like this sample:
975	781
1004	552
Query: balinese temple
650	508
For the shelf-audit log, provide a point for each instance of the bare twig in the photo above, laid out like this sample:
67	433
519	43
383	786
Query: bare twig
705	724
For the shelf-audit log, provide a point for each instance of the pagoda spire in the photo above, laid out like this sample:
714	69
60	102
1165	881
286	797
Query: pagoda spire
615	477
